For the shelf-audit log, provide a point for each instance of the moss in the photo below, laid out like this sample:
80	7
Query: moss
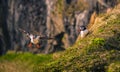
114	67
59	6
98	41
101	30
80	5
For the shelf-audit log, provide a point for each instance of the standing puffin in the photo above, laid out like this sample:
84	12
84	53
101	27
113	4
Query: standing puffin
83	31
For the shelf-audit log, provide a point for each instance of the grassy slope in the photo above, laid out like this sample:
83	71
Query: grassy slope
98	52
22	62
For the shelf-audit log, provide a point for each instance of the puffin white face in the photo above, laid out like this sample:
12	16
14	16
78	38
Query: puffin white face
31	36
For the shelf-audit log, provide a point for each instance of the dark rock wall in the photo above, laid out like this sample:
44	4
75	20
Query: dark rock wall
4	36
29	15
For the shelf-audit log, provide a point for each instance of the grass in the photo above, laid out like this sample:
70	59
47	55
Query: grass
25	57
22	60
114	67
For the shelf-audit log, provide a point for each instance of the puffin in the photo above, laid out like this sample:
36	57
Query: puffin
83	31
34	39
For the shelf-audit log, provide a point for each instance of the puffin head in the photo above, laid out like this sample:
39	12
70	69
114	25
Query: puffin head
82	28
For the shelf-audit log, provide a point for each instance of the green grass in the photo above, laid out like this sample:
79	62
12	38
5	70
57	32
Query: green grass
25	62
26	57
8	57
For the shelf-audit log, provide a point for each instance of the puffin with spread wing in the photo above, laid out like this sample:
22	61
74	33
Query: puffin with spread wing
34	39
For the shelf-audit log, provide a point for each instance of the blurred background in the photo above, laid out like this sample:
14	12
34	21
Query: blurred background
59	19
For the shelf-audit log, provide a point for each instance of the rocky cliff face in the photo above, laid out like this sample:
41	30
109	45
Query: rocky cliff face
4	36
29	15
59	19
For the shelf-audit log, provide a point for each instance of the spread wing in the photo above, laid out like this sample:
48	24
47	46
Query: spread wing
37	37
21	30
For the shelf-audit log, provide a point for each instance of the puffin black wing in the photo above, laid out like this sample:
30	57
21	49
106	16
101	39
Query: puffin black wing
21	30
